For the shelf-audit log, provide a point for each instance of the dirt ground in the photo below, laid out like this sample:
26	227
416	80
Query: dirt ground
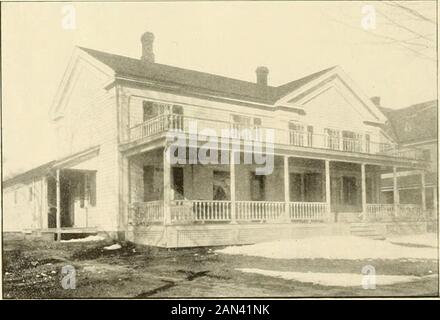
32	269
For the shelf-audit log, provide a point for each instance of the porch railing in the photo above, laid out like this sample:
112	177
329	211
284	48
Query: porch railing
308	211
386	212
146	213
188	211
410	212
200	210
176	122
380	212
259	210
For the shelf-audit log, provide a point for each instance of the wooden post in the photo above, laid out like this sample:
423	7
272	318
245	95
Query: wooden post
423	190
166	186
286	189
435	203
396	199
364	193
232	178
58	217
327	187
44	204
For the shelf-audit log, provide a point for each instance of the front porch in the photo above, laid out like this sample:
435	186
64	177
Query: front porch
300	194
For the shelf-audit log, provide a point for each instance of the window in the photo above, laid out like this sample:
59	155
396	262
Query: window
352	141
30	194
349	190
296	133
15	197
177	117
91	188
149	110
246	127
148	181
221	185
310	136
258	187
332	139
178	185
367	143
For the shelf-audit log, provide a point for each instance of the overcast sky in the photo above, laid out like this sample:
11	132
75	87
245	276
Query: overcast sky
291	38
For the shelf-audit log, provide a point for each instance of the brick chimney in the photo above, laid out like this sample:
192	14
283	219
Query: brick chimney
376	100
262	73
147	47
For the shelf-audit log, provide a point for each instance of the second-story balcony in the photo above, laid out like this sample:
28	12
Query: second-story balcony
162	124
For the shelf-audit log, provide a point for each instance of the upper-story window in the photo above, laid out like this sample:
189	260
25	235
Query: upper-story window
351	141
150	110
300	134
153	109
246	127
296	135
332	138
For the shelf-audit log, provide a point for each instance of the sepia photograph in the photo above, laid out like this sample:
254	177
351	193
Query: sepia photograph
219	150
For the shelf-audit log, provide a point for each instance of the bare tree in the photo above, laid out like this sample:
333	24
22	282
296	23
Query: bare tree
407	25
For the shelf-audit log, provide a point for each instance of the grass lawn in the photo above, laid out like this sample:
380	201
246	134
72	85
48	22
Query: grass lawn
32	269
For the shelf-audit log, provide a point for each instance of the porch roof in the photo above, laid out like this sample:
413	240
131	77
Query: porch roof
47	167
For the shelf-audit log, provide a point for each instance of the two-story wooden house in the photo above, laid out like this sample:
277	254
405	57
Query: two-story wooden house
113	117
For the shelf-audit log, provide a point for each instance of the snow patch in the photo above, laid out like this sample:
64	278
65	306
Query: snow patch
331	247
86	239
115	246
331	279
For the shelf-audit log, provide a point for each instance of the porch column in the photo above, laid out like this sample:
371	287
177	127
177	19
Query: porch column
364	193
44	204
166	186
58	217
435	203
327	189
396	199
423	190
286	189
232	178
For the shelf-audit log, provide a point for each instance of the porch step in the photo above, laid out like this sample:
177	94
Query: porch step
367	231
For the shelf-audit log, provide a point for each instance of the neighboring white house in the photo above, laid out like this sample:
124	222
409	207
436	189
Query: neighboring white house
113	117
415	127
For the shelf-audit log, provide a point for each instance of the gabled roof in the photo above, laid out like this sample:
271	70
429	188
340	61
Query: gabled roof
196	80
415	123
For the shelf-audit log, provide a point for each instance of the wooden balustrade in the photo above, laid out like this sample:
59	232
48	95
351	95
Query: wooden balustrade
308	211
145	213
176	122
380	212
259	210
385	212
200	210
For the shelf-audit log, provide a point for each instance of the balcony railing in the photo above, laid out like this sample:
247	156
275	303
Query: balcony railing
206	127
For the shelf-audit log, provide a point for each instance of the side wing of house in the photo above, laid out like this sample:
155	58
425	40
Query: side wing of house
84	116
23	205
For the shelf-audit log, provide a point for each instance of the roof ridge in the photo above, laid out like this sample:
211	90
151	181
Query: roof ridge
170	66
